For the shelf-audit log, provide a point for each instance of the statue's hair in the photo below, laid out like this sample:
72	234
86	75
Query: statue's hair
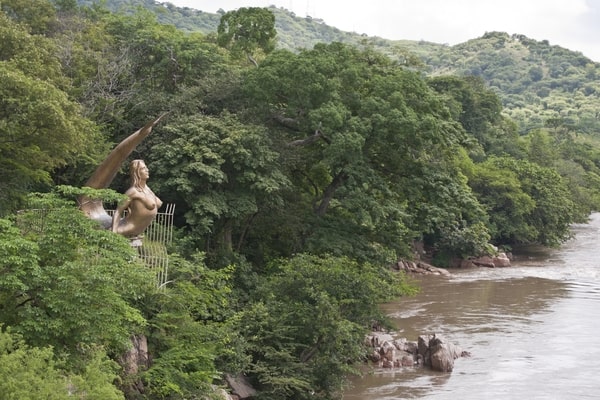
134	170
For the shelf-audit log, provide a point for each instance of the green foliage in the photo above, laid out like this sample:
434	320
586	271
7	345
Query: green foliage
73	284
41	127
507	205
246	30
305	328
36	15
343	152
528	203
479	110
370	146
96	378
542	149
31	373
536	81
189	330
221	172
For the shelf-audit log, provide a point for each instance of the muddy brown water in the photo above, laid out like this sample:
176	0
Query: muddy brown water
533	329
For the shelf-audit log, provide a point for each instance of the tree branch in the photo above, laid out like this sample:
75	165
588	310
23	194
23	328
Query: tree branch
307	354
311	139
291	123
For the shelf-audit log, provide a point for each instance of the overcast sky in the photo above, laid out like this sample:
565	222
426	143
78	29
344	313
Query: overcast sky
574	24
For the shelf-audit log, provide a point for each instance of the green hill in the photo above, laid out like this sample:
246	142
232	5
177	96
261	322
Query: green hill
539	84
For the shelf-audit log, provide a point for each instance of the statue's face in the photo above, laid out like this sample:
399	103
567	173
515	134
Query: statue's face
144	173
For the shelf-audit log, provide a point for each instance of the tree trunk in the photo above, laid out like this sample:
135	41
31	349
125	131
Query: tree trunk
247	225
227	236
337	181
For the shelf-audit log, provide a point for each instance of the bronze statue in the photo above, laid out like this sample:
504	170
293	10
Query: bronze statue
142	204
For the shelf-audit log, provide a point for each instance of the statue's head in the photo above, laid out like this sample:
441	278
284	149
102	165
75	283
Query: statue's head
139	173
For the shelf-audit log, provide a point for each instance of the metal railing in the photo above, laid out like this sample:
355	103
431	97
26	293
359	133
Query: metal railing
152	246
156	238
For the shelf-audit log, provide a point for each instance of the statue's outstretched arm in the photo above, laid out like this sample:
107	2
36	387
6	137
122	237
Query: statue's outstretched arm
106	171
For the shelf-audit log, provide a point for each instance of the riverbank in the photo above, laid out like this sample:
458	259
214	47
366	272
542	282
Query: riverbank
530	328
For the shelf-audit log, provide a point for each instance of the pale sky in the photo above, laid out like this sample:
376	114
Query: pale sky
573	24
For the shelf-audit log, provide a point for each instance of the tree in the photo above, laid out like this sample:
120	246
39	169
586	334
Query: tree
221	173
479	111
36	15
246	30
305	328
360	133
41	128
189	330
529	203
542	148
507	205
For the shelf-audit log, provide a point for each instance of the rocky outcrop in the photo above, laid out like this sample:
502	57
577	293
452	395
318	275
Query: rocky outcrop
420	267
240	387
500	260
431	351
134	361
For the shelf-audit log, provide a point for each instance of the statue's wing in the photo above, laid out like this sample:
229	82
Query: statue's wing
107	170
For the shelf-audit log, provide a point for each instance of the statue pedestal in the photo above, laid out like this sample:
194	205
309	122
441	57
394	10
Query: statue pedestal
136	241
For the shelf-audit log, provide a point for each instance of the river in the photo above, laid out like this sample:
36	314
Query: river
532	329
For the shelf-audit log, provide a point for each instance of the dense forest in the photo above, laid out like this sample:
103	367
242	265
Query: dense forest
300	174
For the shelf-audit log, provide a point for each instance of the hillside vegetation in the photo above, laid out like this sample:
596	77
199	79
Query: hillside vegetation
301	174
540	84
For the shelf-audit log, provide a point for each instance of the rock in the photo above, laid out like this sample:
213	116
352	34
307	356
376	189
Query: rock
136	357
420	268
134	361
420	361
441	360
411	347
443	354
404	345
466	264
484	261
400	344
240	386
388	351
498	261
375	356
429	351
502	260
423	345
407	361
376	339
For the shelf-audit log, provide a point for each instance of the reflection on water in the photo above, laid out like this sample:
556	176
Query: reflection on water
531	329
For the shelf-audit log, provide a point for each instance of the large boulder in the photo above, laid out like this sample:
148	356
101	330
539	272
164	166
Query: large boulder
442	354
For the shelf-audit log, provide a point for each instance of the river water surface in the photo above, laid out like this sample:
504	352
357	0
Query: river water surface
532	329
